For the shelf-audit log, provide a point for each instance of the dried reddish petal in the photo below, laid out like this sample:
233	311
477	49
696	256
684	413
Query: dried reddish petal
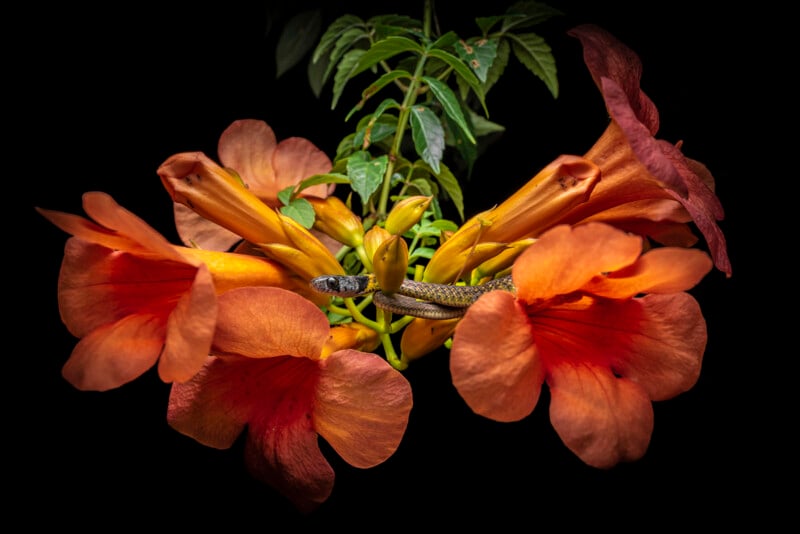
262	322
115	354
494	363
362	406
566	258
603	419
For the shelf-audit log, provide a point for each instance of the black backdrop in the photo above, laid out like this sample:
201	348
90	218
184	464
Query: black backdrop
119	90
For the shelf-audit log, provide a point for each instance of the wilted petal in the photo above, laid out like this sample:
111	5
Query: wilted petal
565	258
190	328
115	354
362	406
603	419
261	322
494	363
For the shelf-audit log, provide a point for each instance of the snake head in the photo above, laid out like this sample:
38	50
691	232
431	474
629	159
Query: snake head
341	286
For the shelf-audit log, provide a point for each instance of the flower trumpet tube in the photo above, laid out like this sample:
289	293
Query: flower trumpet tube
566	182
194	180
608	328
423	336
270	375
133	299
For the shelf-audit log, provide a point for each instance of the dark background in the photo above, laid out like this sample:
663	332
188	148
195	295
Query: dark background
117	91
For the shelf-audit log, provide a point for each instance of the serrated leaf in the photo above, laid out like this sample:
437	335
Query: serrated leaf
317	179
445	41
343	73
428	135
485	23
366	175
463	72
301	211
315	72
482	126
498	65
334	31
376	86
423	186
345	42
466	148
449	183
478	53
527	13
373	133
532	51
450	104
296	39
385	49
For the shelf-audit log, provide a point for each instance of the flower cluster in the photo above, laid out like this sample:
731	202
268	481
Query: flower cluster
599	248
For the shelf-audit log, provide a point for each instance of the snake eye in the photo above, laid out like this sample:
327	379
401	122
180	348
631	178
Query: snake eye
331	284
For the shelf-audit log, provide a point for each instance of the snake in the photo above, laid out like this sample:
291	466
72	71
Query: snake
427	300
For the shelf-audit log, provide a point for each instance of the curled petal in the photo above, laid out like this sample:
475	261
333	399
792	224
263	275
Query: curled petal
262	322
564	259
603	419
116	353
362	408
494	362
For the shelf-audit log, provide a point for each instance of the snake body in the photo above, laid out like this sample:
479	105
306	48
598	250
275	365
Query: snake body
419	299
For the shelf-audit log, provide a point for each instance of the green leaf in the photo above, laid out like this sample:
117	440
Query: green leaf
533	52
343	73
498	65
317	179
385	49
332	34
466	148
450	104
301	211
376	86
296	39
428	135
482	126
527	13
374	132
449	183
345	42
479	54
445	41
423	186
463	72
366	175
386	25
315	72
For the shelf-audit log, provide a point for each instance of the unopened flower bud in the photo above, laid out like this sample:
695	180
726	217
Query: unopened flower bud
335	219
406	213
390	263
502	260
373	239
422	336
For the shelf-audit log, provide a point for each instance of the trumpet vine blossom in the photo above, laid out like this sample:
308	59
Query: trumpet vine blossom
607	328
274	374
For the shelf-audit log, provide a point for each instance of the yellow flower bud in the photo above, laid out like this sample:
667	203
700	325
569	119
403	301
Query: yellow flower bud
502	260
335	219
448	269
373	239
422	336
390	263
354	336
406	213
322	259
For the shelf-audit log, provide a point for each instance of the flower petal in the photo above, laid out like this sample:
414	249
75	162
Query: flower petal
662	270
261	322
296	159
362	406
603	419
97	286
116	353
197	231
494	363
190	328
566	258
247	146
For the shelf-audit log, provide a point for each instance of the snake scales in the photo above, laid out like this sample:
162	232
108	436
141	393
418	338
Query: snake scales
419	299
